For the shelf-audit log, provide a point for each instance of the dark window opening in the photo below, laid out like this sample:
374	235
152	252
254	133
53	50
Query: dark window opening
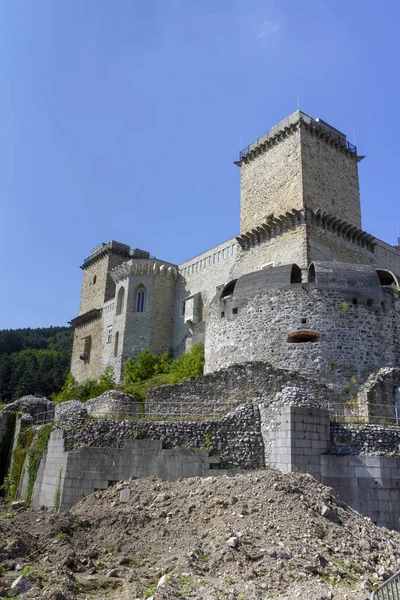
94	279
222	315
116	340
354	300
370	302
303	336
295	274
120	300
234	311
383	304
386	277
304	320
228	289
141	300
311	273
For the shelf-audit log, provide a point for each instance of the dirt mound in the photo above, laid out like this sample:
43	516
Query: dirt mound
253	536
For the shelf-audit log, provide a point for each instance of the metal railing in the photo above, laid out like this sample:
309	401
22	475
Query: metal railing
389	590
368	413
44	417
319	128
161	411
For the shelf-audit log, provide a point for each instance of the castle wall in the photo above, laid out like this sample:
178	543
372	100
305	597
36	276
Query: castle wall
213	269
92	368
388	257
162	309
329	178
325	245
95	293
271	182
355	339
200	275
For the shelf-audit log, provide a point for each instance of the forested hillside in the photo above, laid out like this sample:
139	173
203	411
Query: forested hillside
33	361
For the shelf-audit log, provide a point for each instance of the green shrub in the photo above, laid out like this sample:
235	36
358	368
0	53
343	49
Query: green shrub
22	446
36	452
6	446
189	364
147	365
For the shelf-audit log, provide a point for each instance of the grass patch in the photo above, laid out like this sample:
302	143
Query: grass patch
36	452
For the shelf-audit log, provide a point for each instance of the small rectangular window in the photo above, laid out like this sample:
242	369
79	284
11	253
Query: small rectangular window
116	343
182	308
234	311
109	335
222	314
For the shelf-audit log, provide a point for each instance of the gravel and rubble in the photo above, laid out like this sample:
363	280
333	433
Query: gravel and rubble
249	537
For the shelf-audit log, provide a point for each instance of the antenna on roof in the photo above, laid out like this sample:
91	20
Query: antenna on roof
298	101
354	136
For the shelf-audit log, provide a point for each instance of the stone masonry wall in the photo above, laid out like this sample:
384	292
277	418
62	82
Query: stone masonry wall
235	439
329	179
255	382
95	293
353	438
212	270
93	368
355	339
324	245
271	182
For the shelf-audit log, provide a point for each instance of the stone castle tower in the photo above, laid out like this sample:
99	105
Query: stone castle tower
300	225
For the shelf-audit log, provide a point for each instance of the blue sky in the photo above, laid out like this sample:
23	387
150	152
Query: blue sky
121	119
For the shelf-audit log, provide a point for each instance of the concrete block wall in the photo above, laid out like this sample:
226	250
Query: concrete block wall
370	484
76	474
299	437
51	474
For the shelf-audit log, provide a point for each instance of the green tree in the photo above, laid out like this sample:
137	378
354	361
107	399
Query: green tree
146	366
189	364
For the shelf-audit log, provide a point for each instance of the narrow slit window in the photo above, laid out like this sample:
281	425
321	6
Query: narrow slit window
109	335
120	300
116	343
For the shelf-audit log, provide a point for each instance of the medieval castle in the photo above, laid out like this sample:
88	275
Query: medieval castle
302	286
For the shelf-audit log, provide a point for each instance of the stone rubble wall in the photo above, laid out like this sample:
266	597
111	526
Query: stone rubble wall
352	438
256	382
377	398
236	439
356	339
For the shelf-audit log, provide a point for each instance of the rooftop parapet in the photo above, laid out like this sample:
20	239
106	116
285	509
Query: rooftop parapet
106	248
318	126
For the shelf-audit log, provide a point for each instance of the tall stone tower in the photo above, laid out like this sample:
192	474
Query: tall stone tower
98	287
304	169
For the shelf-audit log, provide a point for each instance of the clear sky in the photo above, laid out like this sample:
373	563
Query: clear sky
121	119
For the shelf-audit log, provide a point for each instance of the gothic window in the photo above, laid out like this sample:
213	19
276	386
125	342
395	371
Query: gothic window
141	300
120	300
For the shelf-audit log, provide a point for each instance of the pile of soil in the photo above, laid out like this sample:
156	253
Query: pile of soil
253	536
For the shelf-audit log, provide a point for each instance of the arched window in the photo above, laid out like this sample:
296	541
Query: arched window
228	289
140	300
311	273
120	300
386	278
295	274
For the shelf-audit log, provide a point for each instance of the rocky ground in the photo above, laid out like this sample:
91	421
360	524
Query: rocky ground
254	536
